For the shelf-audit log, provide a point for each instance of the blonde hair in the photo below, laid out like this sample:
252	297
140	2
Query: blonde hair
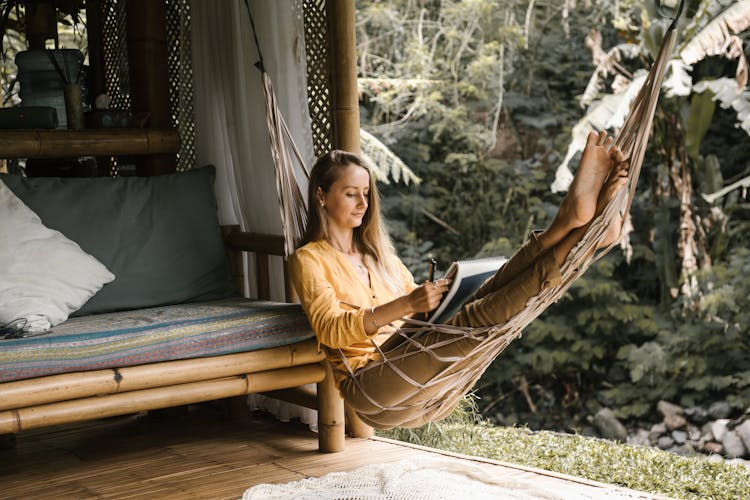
371	237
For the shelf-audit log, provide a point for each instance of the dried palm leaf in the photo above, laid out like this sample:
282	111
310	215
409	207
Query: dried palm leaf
725	91
606	63
742	183
715	39
606	114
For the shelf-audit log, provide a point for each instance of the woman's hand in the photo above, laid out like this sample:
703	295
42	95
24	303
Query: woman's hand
427	296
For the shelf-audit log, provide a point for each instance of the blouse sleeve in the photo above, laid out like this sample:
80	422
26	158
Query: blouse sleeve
335	324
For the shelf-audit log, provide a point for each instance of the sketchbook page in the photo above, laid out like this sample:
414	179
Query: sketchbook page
468	276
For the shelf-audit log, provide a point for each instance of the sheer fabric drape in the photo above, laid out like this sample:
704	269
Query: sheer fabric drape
230	114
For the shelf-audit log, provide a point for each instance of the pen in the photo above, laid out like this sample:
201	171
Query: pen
433	266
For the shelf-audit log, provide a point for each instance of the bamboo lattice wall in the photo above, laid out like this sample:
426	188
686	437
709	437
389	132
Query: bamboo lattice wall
116	71
318	75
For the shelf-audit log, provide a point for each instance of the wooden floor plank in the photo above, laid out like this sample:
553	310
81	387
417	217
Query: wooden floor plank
198	455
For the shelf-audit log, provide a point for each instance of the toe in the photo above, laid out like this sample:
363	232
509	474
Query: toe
592	139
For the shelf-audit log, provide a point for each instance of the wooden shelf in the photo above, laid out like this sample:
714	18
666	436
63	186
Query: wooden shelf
99	142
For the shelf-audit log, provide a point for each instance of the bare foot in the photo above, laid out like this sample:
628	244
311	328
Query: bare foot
579	205
615	182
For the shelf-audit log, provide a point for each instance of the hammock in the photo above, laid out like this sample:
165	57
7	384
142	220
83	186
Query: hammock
460	374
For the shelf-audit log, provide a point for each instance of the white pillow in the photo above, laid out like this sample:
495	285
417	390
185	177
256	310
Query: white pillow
44	276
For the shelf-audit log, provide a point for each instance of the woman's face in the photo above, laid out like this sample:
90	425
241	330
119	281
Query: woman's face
347	199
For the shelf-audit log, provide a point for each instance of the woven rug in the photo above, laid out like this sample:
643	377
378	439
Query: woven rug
430	479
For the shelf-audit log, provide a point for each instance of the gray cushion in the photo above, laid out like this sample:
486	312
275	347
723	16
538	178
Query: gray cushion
159	235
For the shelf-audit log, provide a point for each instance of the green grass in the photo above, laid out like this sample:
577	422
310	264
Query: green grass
640	468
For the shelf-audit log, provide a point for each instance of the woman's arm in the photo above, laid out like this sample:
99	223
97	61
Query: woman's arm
422	299
337	325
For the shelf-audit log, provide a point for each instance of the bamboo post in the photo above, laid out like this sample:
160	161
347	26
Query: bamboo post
95	37
330	414
355	427
149	74
343	70
236	267
345	105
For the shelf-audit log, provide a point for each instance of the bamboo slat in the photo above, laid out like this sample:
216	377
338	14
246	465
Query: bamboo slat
13	421
41	390
69	143
256	242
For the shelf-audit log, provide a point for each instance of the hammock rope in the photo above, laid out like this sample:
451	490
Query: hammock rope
460	373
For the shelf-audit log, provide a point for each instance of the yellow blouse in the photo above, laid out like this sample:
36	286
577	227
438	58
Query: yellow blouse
335	299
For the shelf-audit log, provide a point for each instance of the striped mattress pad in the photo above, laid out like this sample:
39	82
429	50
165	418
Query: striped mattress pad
168	333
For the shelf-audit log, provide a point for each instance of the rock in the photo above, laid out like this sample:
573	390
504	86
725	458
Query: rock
743	430
660	428
684	450
713	447
719	428
694	434
668	409
665	442
719	410
674	421
640	438
679	436
589	431
657	430
609	426
715	459
697	414
733	447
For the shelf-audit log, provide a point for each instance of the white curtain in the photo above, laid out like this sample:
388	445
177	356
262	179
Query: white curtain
230	119
230	111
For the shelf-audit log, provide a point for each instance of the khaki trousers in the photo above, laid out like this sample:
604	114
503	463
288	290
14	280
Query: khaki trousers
523	276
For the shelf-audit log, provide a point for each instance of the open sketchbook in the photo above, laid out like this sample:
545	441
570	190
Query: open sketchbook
467	276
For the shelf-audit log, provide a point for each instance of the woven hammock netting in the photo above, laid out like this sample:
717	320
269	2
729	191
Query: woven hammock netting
460	374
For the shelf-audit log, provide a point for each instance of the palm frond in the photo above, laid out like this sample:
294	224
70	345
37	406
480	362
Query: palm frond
606	63
742	183
716	38
383	162
606	114
725	91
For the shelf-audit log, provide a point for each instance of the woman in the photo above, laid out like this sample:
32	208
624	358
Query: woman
353	287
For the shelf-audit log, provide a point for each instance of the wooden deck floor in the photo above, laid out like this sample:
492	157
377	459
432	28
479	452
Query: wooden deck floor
201	454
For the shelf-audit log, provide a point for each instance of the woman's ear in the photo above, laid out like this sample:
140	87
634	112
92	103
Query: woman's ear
321	197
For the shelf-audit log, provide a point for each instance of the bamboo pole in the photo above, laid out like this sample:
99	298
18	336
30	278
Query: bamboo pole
69	143
345	105
330	414
148	62
343	69
13	421
54	388
256	242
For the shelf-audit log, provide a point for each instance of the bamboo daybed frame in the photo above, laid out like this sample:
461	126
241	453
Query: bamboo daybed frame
80	396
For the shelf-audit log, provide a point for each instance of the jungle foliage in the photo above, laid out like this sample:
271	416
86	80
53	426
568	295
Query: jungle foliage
479	100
